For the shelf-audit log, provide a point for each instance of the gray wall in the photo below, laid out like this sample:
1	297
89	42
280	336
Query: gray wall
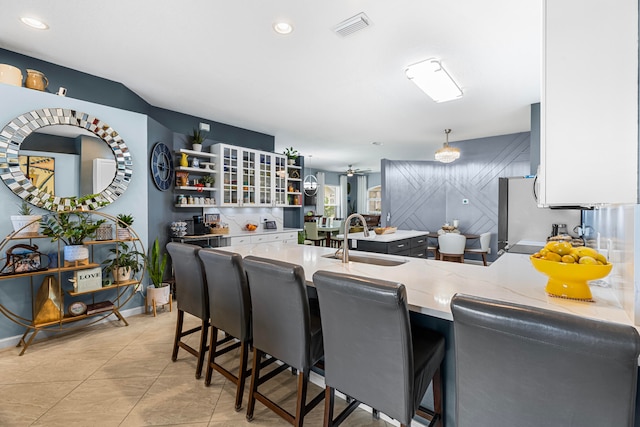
423	195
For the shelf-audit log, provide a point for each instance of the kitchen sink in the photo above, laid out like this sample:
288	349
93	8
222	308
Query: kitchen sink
385	262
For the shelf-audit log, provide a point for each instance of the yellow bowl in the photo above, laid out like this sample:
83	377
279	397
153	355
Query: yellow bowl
570	280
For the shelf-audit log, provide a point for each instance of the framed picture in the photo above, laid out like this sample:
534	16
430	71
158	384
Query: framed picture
89	280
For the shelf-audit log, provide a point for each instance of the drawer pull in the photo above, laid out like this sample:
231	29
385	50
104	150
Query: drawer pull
400	246
421	241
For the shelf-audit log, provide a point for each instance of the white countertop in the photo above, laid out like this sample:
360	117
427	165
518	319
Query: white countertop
431	284
391	237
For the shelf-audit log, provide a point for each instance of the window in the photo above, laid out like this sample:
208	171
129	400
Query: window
374	200
331	200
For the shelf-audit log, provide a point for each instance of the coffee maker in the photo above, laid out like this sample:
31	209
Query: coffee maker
199	227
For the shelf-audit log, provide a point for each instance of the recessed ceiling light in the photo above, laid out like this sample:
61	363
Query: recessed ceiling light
34	23
282	27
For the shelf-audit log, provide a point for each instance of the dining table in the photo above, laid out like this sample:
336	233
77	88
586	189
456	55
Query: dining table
328	230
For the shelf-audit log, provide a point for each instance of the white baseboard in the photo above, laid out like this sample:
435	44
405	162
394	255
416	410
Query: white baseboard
44	333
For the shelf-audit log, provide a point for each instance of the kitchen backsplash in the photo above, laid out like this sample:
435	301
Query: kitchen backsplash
237	218
614	228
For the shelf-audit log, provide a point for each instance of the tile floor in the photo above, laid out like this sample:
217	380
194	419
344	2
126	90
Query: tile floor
112	375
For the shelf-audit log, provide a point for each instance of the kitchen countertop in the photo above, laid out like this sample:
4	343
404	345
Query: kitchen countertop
391	237
431	284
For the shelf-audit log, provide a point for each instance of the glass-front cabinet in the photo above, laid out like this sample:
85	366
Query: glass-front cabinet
229	171
251	177
280	177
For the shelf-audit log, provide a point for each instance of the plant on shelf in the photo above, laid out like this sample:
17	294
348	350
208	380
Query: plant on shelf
72	228
124	222
124	262
25	223
197	138
291	154
208	180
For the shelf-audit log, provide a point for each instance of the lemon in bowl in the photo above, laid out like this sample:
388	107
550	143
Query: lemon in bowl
569	279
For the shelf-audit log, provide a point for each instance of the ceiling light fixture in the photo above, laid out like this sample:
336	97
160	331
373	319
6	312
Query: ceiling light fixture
430	76
34	23
447	154
282	27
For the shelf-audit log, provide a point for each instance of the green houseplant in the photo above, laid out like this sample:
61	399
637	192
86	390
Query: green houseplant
197	138
123	262
160	292
72	228
156	265
25	223
208	180
124	222
292	155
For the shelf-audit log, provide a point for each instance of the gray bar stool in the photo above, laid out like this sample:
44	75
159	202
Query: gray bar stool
230	308
373	353
192	297
284	327
524	366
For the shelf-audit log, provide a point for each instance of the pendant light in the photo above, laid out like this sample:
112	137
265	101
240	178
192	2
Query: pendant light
447	154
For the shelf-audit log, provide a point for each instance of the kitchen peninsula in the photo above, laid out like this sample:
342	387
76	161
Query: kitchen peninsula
401	242
431	284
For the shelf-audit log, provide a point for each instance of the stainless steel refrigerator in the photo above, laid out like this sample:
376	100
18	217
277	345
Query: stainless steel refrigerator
521	220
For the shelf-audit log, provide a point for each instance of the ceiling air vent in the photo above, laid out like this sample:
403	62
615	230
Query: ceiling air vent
353	24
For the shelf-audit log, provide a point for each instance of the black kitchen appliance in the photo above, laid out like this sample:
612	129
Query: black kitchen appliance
199	227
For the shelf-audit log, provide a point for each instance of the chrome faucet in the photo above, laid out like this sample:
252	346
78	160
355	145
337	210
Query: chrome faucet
345	243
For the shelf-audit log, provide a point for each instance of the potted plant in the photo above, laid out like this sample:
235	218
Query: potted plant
72	228
124	262
25	223
160	292
292	155
197	137
208	180
124	222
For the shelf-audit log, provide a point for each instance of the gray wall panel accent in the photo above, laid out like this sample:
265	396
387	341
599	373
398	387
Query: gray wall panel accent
423	195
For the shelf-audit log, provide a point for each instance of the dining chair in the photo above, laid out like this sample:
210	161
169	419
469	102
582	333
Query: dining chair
335	242
451	245
287	328
374	354
192	297
230	308
485	243
311	232
524	366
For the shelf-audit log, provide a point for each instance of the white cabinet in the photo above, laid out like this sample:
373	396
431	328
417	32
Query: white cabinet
589	103
250	177
285	237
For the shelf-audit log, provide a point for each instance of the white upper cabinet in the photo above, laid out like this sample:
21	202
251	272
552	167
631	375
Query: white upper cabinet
249	177
589	103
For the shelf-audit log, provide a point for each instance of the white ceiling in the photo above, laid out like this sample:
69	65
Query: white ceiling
327	96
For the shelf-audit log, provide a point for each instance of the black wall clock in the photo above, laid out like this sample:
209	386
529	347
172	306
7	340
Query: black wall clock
162	166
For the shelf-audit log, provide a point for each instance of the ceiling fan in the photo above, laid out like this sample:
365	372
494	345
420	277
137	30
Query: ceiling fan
351	171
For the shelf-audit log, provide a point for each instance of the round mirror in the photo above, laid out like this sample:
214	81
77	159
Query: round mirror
60	159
